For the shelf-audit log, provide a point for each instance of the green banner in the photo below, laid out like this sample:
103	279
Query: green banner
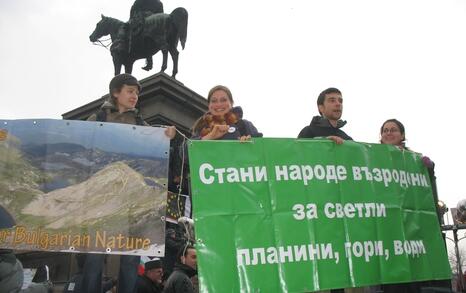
286	215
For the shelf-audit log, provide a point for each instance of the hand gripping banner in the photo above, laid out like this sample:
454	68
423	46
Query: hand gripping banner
83	186
286	215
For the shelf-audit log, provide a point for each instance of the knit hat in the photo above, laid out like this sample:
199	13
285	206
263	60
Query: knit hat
153	264
119	80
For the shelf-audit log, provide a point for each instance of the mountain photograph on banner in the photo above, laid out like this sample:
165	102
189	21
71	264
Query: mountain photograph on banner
83	186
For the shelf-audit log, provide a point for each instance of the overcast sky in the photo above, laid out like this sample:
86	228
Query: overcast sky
390	58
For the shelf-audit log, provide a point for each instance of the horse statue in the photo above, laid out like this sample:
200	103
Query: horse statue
161	32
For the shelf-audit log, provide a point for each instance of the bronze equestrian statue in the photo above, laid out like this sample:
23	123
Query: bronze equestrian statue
130	42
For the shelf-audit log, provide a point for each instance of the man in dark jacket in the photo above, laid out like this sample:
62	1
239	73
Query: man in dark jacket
173	244
151	281
328	124
186	268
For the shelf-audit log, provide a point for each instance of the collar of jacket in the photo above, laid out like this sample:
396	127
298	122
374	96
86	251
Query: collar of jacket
145	277
324	122
111	107
186	269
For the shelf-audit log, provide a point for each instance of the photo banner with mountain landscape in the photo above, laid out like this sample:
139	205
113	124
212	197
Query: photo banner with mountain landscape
83	186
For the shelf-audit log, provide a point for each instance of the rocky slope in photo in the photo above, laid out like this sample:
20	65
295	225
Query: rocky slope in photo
113	197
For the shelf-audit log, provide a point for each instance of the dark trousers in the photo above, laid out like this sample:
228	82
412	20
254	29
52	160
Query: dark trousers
127	276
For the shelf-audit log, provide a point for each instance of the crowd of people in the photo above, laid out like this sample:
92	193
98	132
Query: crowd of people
177	271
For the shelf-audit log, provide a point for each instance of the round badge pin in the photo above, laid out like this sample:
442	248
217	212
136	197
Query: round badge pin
231	129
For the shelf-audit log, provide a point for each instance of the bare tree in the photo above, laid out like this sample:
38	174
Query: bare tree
454	261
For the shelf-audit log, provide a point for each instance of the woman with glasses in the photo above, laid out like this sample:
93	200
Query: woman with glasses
393	132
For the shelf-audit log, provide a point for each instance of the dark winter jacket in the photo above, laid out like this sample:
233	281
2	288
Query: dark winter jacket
172	246
241	128
321	127
180	280
11	273
111	114
12	276
145	285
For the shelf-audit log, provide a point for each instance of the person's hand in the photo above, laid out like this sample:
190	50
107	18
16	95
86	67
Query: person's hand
244	138
217	132
427	162
336	139
170	132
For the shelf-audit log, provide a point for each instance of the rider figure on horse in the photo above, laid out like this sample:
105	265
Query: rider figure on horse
145	6
139	11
